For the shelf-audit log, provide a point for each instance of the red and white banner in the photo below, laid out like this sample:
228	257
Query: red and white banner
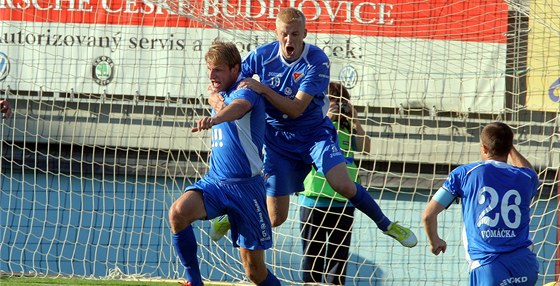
445	54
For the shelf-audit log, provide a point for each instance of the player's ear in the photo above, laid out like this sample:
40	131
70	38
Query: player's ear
305	34
484	150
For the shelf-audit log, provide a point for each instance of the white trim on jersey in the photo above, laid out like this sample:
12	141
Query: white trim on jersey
243	126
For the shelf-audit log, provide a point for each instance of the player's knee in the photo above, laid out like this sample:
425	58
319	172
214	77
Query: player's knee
345	188
177	219
277	220
172	214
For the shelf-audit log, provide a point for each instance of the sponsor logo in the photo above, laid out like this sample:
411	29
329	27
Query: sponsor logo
288	91
4	66
348	76
335	151
514	281
103	70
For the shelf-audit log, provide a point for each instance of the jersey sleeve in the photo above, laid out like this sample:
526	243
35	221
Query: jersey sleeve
245	93
453	184
534	180
249	65
317	79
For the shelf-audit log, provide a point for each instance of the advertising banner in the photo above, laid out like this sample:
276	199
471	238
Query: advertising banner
448	55
543	58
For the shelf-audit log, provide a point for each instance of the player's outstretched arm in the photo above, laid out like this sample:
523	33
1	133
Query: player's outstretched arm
429	218
518	160
235	110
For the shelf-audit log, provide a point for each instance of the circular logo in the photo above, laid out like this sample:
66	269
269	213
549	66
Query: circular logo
102	70
348	76
288	91
4	66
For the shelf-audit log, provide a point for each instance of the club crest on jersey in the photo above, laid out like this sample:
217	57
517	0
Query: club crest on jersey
298	76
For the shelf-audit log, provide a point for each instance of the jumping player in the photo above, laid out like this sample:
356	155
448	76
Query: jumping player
294	77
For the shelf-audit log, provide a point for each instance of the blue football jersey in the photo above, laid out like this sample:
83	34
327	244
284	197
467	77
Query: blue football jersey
237	146
310	73
496	199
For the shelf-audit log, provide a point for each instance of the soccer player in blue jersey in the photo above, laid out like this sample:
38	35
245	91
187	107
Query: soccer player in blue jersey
234	185
496	199
294	77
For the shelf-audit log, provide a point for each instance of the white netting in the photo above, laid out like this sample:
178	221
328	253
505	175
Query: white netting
105	94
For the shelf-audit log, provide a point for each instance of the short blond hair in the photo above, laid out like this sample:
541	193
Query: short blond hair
289	15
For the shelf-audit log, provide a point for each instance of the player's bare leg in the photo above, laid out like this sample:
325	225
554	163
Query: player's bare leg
278	208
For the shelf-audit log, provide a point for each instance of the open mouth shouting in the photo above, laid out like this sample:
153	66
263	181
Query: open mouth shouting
290	51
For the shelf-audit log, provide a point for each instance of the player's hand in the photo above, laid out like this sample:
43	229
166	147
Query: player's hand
253	84
438	246
203	124
5	108
216	100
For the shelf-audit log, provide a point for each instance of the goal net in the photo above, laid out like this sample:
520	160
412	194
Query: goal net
105	94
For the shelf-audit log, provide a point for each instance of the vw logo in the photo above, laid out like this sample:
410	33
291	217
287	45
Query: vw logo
348	76
4	66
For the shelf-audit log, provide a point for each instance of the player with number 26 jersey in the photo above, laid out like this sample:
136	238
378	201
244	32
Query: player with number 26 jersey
495	207
496	195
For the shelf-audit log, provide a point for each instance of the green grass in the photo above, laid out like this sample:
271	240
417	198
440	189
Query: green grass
25	281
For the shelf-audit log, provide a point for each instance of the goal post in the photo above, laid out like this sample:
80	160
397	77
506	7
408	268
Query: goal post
105	94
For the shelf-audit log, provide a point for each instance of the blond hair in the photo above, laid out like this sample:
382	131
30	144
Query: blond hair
223	53
289	15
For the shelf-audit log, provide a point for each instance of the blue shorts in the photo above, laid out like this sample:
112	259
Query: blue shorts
289	155
519	268
244	201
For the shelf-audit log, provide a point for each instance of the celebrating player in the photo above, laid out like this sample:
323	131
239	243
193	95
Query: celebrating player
294	77
496	199
234	184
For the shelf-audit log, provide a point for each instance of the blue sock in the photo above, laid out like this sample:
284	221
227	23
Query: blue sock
270	280
365	203
186	248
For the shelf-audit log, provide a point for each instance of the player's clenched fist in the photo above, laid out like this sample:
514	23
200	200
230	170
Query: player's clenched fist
204	124
438	246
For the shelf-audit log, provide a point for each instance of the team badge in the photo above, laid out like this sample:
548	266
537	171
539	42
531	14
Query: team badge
102	70
297	76
4	66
